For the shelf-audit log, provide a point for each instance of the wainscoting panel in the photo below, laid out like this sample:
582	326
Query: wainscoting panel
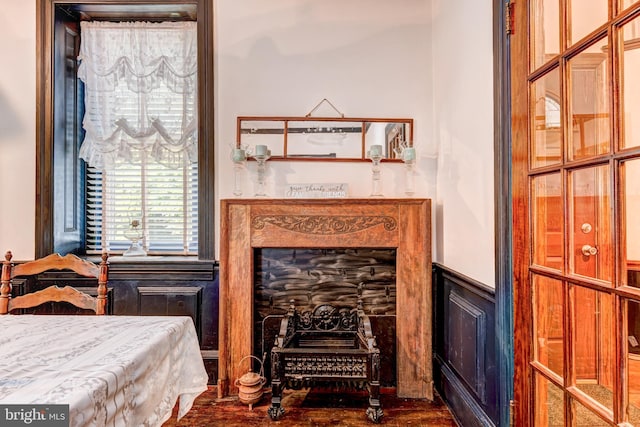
171	301
465	370
467	330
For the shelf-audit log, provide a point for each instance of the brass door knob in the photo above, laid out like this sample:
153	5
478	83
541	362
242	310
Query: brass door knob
588	250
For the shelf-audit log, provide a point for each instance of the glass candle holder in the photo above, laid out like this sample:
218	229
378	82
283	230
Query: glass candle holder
376	156
409	159
262	154
135	234
239	158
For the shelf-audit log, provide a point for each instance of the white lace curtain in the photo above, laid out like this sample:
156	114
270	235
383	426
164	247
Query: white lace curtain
140	92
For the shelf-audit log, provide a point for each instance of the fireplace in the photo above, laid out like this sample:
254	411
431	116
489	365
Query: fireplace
341	277
401	226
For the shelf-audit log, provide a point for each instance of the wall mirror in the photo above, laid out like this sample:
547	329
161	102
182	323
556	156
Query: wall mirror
324	138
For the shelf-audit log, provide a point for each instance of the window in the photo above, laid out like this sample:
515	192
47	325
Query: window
140	142
61	220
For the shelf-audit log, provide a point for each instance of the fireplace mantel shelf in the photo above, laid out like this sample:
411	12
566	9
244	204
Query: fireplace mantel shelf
403	224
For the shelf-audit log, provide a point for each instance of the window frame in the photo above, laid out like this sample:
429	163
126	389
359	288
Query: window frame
45	234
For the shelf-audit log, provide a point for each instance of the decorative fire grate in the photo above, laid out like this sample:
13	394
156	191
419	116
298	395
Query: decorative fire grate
329	346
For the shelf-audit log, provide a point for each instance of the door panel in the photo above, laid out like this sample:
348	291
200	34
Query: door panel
549	403
590	208
585	339
593	344
589	107
582	23
548	328
545	148
548	225
630	83
632	383
576	210
630	183
545	28
584	417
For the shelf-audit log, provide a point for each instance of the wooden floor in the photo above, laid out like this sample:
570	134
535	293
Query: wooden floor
314	408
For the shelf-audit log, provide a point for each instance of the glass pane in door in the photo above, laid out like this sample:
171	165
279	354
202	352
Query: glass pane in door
590	234
627	3
593	344
548	317
589	108
584	417
633	360
586	16
545	22
546	202
630	84
546	114
630	178
549	400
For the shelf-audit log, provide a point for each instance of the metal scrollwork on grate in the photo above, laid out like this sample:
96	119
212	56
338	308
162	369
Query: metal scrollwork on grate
329	346
326	317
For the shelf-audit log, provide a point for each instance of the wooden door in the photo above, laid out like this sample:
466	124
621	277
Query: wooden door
575	83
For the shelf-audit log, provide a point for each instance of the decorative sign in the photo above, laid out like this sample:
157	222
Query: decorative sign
310	191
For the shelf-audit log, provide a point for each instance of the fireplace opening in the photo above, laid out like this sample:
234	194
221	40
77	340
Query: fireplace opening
310	277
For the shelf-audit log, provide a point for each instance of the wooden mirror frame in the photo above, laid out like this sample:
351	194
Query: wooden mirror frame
286	131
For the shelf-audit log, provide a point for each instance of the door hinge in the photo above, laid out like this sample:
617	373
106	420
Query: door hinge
509	18
512	410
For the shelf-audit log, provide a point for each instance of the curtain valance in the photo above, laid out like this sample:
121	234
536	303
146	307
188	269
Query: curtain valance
140	92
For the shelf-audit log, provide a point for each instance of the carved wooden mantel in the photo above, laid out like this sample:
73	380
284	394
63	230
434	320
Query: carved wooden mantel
403	224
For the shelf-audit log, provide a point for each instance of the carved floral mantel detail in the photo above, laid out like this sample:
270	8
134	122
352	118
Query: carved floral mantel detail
323	224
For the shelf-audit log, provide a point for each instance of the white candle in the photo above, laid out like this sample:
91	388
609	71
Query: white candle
375	150
409	154
239	155
261	150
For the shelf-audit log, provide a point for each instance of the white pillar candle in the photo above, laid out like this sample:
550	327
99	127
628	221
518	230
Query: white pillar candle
375	150
409	154
239	155
261	150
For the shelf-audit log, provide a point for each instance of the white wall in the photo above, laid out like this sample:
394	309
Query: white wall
463	131
17	128
370	58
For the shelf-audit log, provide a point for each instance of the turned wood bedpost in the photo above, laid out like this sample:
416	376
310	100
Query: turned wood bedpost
5	283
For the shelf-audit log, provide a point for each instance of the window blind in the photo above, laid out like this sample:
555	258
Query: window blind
140	140
164	200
